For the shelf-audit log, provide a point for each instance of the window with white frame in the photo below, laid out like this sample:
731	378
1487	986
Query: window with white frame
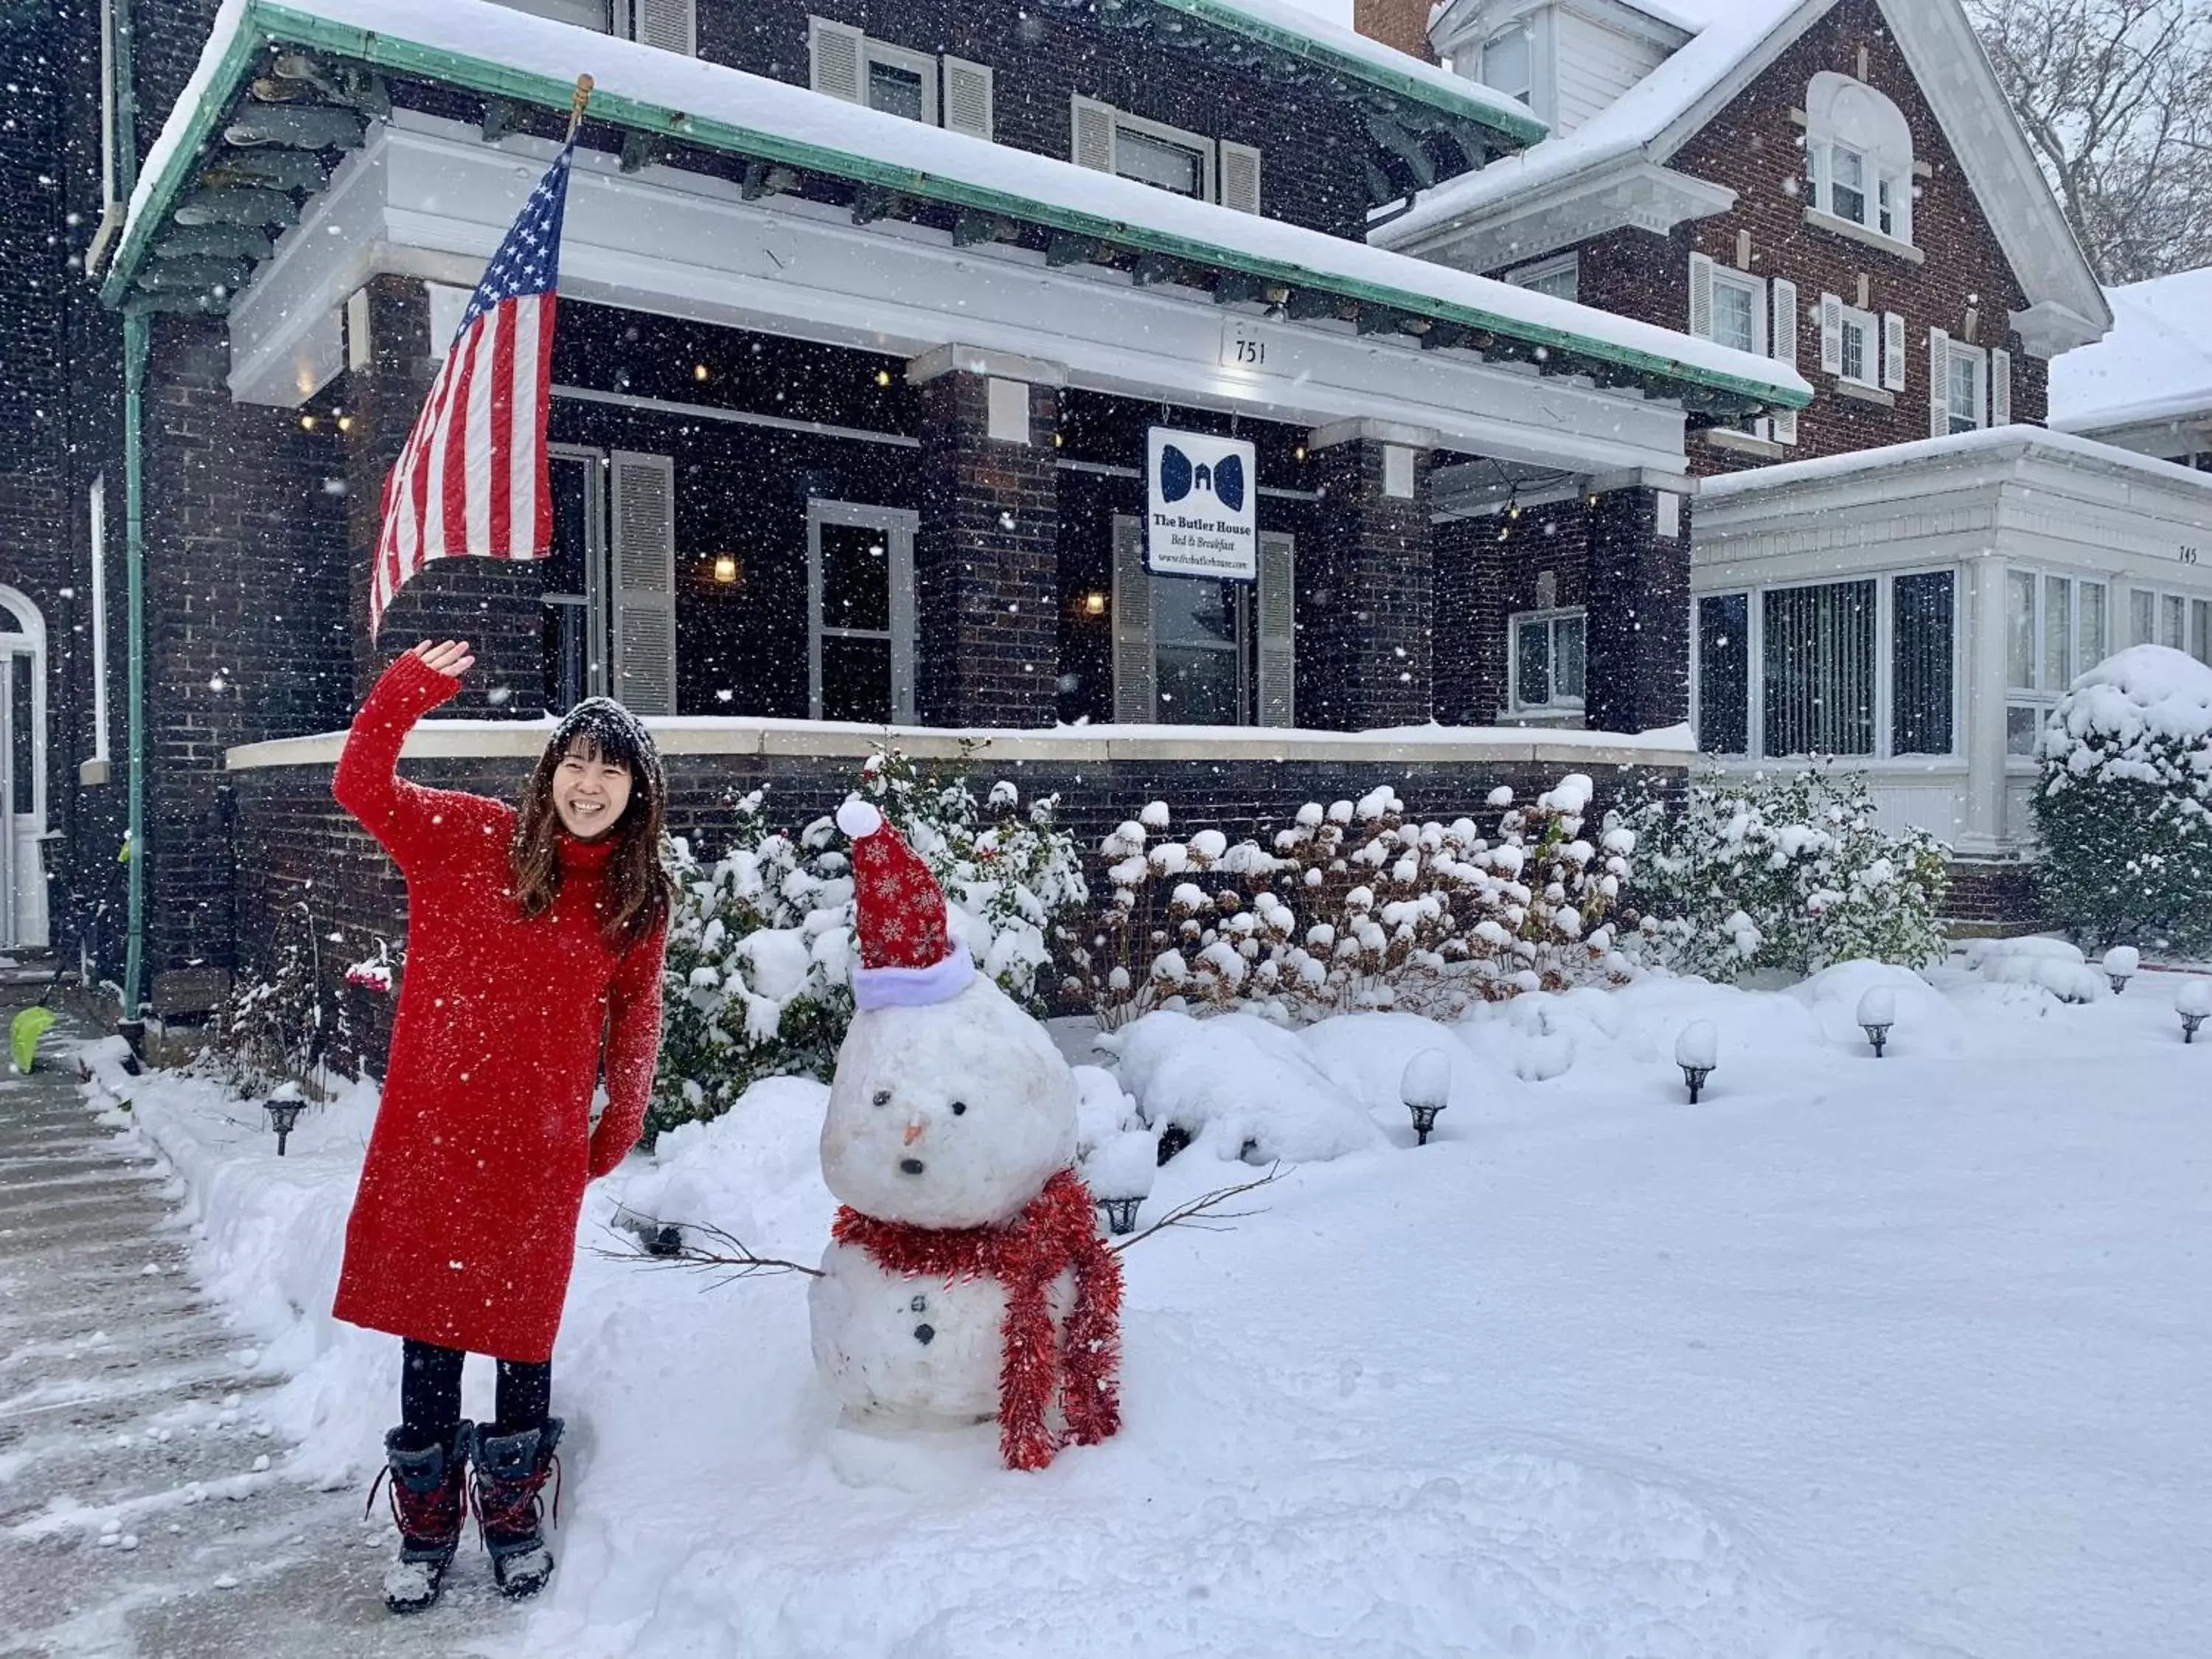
1167	158
671	25
1547	669
1738	311
1561	278
1967	382
2177	620
1866	667
860	612
1508	63
853	66
1858	157
1859	356
2055	630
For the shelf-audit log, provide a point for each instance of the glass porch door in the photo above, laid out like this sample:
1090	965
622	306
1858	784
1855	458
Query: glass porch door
22	894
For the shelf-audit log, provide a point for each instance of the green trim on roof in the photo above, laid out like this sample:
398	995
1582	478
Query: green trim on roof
267	21
1523	128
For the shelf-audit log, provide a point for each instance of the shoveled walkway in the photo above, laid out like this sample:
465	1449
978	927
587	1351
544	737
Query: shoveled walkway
139	1514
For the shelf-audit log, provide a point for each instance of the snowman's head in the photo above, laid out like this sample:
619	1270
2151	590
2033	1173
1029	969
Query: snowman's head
953	1114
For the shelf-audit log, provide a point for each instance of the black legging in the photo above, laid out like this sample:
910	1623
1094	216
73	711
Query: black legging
430	1393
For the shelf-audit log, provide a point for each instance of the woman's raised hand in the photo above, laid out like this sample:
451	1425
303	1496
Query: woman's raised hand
450	657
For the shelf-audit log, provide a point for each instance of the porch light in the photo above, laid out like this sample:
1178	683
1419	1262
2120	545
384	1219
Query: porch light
1425	1087
1877	1013
283	1108
1094	605
699	372
726	569
2194	1005
307	423
883	377
2121	964
1698	1051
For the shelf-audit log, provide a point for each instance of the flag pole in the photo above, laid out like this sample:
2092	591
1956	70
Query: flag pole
582	101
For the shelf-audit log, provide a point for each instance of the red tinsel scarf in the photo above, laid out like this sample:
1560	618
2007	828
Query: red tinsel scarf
1058	1230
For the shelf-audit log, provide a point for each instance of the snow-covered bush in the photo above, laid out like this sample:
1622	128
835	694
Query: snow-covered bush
2125	810
760	948
1788	871
1353	906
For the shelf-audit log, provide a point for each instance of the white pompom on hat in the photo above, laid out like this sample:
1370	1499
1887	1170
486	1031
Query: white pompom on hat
908	958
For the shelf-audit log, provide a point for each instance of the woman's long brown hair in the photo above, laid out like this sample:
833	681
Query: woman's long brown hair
634	890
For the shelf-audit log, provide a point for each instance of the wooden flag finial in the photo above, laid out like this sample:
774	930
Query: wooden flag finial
582	101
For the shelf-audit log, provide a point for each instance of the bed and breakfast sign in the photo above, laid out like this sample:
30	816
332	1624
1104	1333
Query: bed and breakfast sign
1201	511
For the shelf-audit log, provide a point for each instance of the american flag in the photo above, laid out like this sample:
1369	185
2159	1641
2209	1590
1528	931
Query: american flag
472	480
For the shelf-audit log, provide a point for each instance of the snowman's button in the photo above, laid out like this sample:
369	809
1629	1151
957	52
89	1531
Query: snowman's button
922	1334
910	1165
920	1305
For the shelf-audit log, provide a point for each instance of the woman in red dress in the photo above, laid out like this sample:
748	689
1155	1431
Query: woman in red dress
534	945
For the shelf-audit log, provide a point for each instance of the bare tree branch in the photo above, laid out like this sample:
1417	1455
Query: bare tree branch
1204	1214
712	1250
2116	98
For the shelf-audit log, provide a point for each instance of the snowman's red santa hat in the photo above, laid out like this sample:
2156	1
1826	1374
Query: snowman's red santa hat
908	958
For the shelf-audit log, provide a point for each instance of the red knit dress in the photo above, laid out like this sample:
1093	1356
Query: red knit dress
464	1227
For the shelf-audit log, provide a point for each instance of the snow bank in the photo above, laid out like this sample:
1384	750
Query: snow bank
1240	1087
2050	965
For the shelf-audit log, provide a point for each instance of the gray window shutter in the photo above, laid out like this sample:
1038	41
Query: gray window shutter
671	25
1240	177
1136	677
1279	638
967	101
834	52
1093	125
1999	386
1832	334
1892	351
1939	384
1701	296
1785	324
644	678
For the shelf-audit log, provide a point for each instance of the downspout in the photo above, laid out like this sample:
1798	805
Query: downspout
135	346
136	331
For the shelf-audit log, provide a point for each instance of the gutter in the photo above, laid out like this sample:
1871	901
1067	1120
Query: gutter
136	333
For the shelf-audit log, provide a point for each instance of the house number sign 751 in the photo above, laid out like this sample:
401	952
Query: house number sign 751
1243	345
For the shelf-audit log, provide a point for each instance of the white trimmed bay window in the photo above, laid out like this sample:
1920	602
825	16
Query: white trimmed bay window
1858	161
2055	629
1866	668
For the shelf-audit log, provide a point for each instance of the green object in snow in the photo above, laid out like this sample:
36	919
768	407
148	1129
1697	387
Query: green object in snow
24	1033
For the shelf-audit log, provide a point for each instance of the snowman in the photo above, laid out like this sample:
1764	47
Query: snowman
965	1279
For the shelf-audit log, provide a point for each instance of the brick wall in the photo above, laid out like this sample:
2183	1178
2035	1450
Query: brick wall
296	846
1489	570
986	562
1313	167
1401	23
1756	149
1366	597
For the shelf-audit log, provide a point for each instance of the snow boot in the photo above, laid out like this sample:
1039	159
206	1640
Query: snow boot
510	1473
429	1501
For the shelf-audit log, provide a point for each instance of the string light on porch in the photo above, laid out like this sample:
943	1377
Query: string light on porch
726	570
1094	605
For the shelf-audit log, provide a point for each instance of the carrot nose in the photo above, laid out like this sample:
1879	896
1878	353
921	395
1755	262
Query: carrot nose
913	1130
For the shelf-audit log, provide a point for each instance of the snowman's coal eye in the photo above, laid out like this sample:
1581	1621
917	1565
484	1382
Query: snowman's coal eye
883	1096
959	1106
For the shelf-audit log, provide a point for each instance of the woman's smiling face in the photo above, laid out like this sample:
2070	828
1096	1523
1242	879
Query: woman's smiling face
589	793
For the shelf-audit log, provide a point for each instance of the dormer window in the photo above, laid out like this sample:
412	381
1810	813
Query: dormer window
1508	63
1858	161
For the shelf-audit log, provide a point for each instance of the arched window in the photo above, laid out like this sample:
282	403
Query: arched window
1858	156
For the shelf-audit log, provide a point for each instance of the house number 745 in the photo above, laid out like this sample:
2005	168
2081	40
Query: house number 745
2189	555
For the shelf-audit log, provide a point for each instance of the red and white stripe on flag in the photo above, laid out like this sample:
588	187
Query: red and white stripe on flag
472	480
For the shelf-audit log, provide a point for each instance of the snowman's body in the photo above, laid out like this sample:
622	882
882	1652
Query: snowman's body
948	1117
911	1352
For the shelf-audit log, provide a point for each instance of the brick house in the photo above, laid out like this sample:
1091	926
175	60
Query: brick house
1908	572
875	316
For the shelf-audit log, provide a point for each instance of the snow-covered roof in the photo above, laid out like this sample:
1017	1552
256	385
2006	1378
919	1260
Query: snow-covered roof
1736	41
1727	33
2065	447
2155	365
497	51
1281	23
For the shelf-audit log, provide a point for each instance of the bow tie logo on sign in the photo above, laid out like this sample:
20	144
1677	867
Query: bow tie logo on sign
1223	481
1202	510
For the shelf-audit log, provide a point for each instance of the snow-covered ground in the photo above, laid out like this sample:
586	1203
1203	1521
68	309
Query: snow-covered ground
1857	1358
